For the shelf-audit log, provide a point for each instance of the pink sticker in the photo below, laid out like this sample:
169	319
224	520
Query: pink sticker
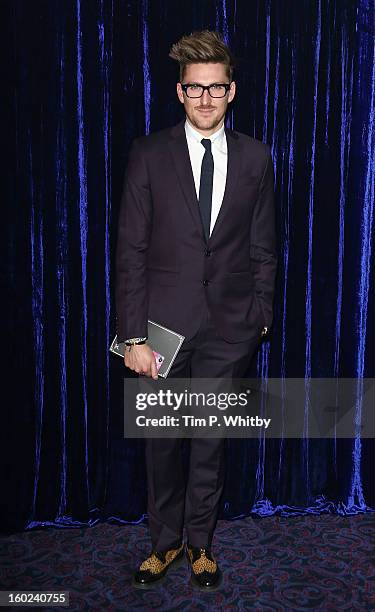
159	360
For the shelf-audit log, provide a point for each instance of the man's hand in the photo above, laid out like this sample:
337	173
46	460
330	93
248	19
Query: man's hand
141	359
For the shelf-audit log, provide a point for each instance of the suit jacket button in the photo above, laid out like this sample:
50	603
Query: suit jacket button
207	253
205	283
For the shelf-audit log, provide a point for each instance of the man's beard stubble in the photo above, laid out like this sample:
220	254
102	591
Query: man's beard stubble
201	125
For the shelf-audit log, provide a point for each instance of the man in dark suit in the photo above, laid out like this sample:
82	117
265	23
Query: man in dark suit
196	253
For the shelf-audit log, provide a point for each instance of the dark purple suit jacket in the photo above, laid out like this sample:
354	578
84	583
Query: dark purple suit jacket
165	270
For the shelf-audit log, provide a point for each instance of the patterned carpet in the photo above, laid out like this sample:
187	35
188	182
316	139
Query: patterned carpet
324	562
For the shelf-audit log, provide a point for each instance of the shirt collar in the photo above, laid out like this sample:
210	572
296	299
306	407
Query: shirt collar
217	137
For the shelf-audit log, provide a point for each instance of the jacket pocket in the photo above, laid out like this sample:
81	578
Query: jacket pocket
158	276
243	278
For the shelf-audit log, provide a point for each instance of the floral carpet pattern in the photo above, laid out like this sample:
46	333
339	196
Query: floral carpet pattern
324	562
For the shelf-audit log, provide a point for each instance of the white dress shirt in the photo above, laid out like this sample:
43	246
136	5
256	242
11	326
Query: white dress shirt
220	155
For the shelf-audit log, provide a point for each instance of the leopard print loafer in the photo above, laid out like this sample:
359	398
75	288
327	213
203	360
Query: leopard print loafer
155	567
205	572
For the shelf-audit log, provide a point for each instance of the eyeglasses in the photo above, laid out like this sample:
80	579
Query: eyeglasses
195	90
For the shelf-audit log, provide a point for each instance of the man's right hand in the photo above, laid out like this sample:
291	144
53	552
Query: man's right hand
141	359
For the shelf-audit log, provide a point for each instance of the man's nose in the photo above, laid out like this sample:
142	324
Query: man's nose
206	98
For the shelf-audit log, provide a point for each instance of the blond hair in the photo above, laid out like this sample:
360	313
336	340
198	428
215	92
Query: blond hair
202	47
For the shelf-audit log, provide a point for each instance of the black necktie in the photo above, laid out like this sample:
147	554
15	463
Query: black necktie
205	187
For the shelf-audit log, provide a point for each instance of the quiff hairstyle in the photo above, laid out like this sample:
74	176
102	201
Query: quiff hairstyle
200	48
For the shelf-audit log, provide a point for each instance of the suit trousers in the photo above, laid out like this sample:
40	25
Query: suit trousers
172	502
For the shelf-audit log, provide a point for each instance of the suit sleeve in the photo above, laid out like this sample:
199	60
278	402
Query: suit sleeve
132	243
263	242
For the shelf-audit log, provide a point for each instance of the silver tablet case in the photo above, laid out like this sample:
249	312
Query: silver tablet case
160	339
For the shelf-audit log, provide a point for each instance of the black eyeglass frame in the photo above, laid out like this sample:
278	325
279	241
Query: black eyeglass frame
184	87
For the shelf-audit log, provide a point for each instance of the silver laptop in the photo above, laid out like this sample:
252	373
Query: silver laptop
163	341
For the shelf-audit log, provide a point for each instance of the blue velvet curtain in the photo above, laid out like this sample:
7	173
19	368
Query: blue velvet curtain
82	79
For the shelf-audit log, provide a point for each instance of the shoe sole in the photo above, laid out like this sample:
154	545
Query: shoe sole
176	563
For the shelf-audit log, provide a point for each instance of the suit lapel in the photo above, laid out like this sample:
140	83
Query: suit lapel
180	154
233	171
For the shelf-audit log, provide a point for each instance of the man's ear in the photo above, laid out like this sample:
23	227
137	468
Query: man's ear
180	93
232	91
